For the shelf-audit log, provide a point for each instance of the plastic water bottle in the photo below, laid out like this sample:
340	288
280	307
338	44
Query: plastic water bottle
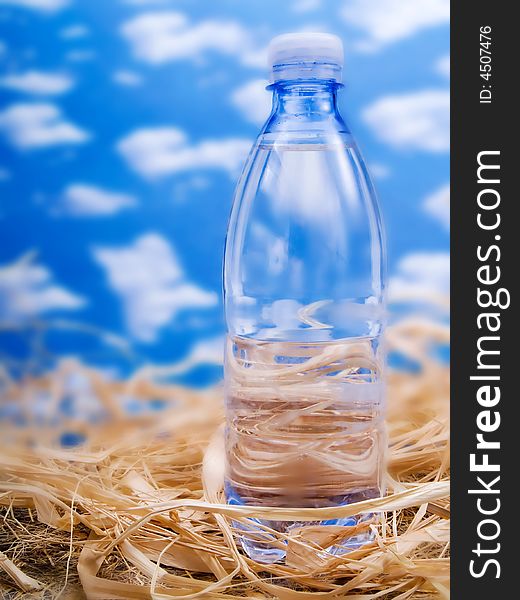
304	285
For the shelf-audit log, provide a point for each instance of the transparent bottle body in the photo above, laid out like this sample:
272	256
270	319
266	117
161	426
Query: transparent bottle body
305	308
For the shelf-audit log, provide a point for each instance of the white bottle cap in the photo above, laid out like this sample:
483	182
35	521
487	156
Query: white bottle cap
306	56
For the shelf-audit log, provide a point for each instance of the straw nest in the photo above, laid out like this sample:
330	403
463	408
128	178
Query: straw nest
136	510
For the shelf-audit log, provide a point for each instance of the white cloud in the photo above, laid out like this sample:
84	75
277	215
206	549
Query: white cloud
80	199
28	290
161	37
437	205
40	5
209	351
147	2
80	56
442	66
38	83
204	352
268	249
127	78
305	6
29	126
165	150
386	21
185	188
414	121
379	171
422	277
149	279
253	101
75	32
297	185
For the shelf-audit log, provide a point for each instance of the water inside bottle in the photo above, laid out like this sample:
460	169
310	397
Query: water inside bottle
305	428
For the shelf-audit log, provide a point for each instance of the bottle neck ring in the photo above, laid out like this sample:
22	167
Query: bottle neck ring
306	70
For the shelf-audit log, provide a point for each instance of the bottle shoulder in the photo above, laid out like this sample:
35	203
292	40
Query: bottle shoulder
328	125
332	156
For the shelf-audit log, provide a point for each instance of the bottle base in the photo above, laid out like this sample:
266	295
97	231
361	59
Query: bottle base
265	547
268	553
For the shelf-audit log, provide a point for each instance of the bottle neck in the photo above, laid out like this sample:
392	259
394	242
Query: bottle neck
311	99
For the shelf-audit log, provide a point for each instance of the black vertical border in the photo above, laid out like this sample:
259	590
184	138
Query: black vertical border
477	127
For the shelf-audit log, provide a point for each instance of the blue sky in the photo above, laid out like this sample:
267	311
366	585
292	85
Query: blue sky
124	124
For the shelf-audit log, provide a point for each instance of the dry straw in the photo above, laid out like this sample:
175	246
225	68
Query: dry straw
137	510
